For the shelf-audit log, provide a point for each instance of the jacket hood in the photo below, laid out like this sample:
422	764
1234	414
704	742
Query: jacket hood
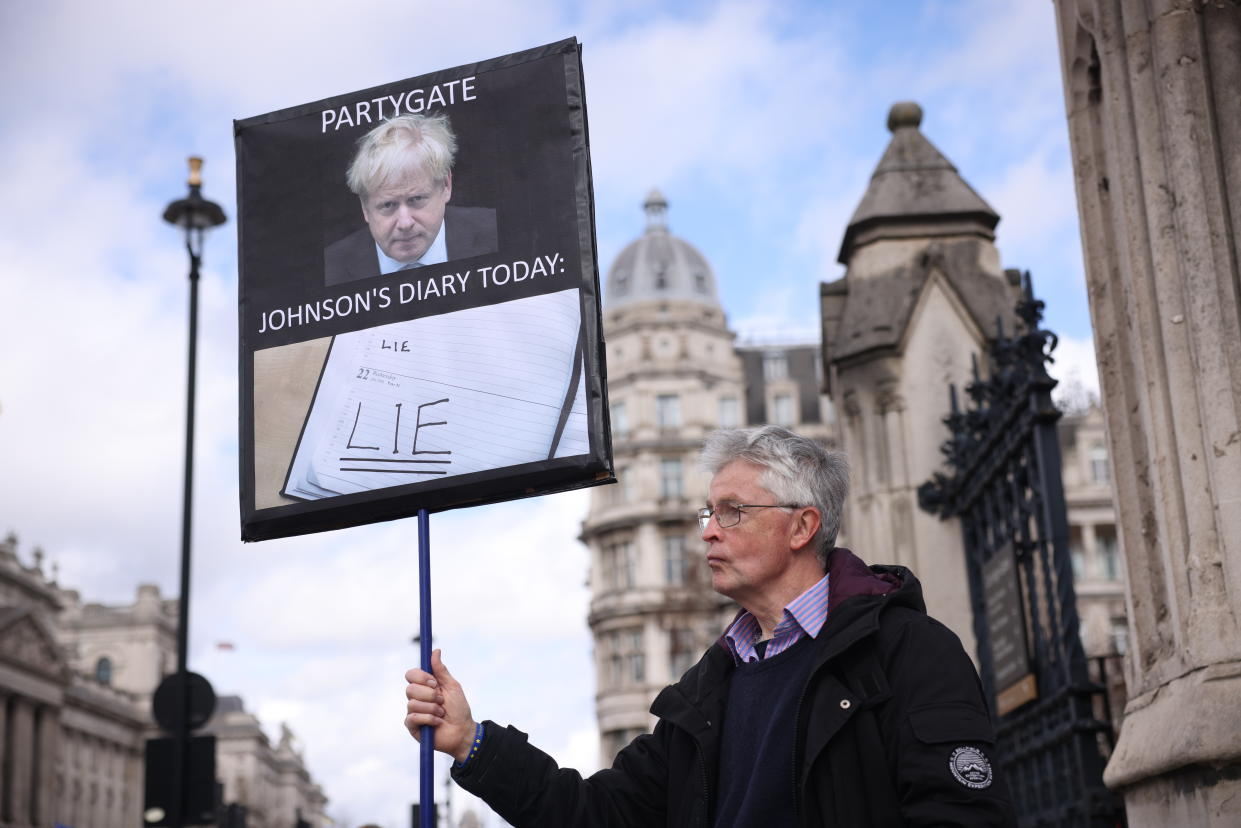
851	577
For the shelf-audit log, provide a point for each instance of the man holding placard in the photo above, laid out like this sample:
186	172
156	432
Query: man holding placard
831	700
402	174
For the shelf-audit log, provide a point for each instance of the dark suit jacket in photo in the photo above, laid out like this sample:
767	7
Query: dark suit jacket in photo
470	231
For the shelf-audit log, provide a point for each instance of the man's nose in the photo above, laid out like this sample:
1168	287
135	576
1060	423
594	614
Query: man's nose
405	218
712	530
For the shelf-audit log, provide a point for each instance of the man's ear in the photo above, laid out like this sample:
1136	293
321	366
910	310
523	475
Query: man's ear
448	187
804	527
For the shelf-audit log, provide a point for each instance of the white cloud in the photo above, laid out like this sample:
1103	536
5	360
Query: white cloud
1035	196
720	95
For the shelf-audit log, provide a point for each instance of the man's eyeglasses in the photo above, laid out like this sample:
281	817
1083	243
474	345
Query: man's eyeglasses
729	514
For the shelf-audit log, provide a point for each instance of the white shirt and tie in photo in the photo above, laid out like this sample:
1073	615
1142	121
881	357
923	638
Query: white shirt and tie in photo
437	253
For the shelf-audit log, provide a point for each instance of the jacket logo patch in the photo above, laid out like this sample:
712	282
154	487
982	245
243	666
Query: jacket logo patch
970	767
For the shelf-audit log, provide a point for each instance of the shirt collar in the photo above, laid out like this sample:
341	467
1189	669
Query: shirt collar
437	253
804	615
809	610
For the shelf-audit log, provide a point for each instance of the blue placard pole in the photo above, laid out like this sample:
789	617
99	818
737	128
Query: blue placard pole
426	765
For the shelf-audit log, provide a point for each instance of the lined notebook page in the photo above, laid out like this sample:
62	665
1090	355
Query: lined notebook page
468	391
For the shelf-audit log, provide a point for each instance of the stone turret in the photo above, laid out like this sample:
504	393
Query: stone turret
921	295
916	193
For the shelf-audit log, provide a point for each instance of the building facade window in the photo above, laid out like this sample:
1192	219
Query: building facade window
103	670
668	411
619	565
1100	465
675	563
782	410
1120	636
661	275
775	366
1109	563
730	412
624	657
670	483
620	421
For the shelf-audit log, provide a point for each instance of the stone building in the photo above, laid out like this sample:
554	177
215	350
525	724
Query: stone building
71	746
1098	563
76	682
674	373
129	647
271	783
1155	132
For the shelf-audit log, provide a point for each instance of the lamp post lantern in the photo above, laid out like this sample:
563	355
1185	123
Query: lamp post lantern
195	215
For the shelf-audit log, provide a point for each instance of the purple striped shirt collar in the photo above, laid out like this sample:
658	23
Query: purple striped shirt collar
803	616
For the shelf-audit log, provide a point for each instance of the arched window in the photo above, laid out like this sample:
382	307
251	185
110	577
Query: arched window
103	670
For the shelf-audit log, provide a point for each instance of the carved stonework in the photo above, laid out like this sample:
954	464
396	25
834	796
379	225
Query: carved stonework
889	399
850	404
944	358
25	643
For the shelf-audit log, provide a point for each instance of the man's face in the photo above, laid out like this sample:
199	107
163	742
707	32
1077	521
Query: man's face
749	559
406	216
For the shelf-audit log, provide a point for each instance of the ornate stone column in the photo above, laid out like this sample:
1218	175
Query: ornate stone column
1151	89
22	767
48	737
5	760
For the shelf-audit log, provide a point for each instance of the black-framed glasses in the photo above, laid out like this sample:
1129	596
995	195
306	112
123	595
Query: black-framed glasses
729	514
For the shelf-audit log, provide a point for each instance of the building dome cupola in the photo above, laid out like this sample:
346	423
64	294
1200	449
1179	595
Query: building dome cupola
658	266
656	207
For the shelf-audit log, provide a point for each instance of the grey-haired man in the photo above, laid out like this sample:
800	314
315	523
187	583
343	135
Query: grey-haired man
831	700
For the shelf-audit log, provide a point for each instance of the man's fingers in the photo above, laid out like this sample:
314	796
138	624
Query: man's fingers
439	673
416	676
422	692
432	708
414	723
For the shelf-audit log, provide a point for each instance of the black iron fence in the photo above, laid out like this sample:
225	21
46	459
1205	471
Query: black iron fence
1005	486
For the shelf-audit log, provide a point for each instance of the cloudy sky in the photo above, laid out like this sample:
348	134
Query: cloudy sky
760	121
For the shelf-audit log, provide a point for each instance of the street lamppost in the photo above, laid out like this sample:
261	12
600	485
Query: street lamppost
195	214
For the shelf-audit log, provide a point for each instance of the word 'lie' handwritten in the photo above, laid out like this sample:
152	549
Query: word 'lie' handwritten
418	459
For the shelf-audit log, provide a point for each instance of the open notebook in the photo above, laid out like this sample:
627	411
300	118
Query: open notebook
462	392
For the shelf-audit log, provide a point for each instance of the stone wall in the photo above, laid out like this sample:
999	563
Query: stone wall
1155	128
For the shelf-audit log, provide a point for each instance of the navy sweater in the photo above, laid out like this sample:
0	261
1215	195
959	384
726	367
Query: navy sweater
756	752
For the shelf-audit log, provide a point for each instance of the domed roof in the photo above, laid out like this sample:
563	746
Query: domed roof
659	266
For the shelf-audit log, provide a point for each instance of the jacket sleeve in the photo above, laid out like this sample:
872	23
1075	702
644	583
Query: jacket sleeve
527	788
940	741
